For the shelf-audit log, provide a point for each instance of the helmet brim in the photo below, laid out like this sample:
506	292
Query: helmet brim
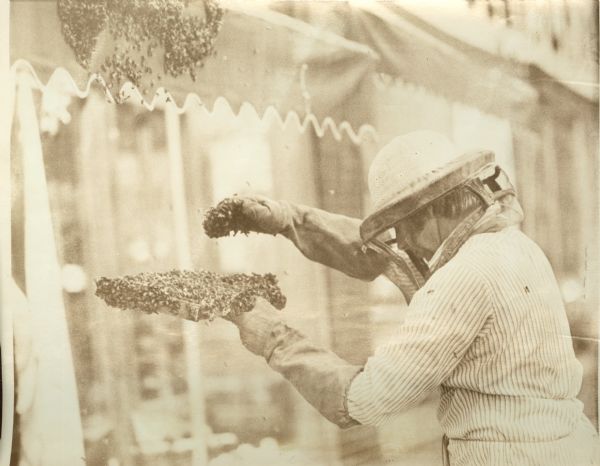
424	191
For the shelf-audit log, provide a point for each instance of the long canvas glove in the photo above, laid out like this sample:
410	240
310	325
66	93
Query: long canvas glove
330	239
320	376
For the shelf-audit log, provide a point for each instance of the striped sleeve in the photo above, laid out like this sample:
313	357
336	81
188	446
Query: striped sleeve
443	319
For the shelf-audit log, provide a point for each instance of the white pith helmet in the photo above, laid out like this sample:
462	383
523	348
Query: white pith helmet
411	171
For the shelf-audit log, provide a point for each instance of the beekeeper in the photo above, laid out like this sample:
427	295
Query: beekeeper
485	320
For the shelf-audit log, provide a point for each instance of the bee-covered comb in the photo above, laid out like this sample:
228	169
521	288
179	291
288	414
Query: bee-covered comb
192	295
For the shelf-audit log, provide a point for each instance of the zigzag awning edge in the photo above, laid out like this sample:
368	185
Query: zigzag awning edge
161	97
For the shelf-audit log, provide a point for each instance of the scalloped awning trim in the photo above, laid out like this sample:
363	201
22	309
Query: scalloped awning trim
62	79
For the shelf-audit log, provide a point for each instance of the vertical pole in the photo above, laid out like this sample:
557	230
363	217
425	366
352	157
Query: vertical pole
340	177
339	174
293	180
108	330
190	329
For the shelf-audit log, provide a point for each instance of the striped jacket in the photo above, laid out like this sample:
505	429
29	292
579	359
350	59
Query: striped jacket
489	328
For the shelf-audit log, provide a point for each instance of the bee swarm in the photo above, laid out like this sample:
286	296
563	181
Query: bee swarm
225	218
141	28
192	295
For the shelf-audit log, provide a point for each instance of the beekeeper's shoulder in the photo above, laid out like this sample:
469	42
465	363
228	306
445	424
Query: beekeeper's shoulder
461	274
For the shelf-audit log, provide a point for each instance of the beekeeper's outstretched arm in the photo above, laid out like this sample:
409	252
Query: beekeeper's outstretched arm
330	239
439	328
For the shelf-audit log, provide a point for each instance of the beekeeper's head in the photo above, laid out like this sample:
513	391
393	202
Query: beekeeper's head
422	187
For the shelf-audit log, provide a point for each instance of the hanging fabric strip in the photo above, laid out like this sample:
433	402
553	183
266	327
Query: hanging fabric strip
6	323
51	431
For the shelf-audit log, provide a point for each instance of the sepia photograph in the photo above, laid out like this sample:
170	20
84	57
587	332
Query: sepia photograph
299	232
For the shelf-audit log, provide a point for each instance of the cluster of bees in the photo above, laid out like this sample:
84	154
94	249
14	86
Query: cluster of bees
192	295
226	218
138	28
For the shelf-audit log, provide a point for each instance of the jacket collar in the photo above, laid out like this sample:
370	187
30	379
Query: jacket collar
504	212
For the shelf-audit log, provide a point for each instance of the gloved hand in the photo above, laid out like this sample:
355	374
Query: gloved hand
319	375
257	328
267	215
